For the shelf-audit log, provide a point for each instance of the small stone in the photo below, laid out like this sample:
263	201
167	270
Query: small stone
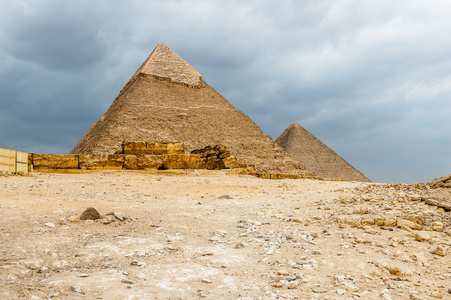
240	245
438	226
205	280
138	263
282	272
292	285
9	282
225	197
341	291
422	236
73	219
440	250
77	289
215	238
437	295
316	252
49	224
120	217
271	250
127	281
90	213
108	219
220	232
83	275
278	284
371	230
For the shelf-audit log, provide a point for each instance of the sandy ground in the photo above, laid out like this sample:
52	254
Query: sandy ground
219	237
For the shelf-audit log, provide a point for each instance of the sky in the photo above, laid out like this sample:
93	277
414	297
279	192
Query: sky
370	79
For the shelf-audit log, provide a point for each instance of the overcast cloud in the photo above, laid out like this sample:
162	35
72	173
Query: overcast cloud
371	79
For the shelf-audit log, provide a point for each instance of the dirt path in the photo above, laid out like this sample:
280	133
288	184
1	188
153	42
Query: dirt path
218	237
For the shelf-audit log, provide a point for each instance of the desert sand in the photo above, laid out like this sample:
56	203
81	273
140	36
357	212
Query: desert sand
212	236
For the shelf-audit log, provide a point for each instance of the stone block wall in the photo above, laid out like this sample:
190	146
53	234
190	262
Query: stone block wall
154	156
141	156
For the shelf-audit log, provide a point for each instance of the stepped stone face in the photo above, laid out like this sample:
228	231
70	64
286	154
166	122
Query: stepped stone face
166	100
316	156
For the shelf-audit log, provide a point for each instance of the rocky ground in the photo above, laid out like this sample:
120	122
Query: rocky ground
220	237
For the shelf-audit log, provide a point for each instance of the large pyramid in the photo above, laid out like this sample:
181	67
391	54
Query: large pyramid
316	156
166	100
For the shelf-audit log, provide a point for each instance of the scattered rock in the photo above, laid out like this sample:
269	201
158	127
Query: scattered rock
127	281
205	280
225	197
292	285
240	245
77	289
438	226
437	295
73	219
282	272
49	224
440	250
90	213
341	291
422	236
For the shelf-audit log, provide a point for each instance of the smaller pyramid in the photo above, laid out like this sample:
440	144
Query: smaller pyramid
316	156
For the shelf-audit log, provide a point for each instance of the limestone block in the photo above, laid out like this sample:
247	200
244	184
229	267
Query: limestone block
143	161
354	221
134	147
390	221
241	163
406	224
414	218
165	148
219	151
264	175
379	221
183	161
213	163
230	162
96	162
367	220
55	161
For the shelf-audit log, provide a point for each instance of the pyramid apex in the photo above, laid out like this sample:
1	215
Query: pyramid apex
165	63
294	125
